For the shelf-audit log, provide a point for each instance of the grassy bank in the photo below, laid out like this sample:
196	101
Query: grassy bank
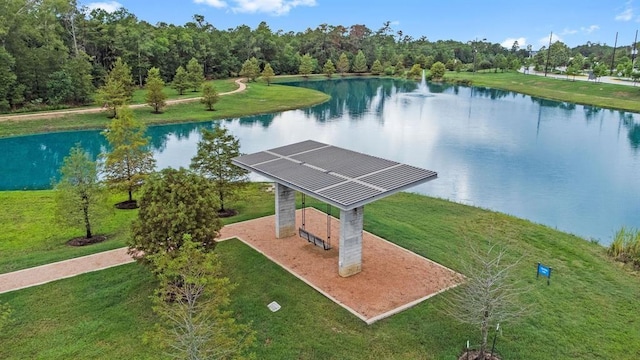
257	99
30	236
609	96
590	310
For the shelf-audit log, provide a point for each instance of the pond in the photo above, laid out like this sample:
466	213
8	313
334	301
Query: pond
571	167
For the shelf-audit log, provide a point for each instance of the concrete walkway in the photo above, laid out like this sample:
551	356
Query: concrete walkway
63	269
604	79
53	114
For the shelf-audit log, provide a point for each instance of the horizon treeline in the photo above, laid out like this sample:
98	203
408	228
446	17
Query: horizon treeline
55	52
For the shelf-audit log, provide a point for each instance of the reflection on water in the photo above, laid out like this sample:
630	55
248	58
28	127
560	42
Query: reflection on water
568	166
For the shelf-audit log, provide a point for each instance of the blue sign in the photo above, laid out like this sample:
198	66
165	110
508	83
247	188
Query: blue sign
544	271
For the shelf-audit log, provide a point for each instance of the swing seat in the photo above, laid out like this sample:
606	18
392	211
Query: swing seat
313	239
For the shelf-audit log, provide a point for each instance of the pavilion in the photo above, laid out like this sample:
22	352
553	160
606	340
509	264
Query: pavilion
339	177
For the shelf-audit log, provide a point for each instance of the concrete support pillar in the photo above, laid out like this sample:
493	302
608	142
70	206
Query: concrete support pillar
285	211
350	257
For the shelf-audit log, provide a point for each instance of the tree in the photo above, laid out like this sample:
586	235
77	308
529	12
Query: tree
399	68
80	197
112	95
500	62
376	68
130	161
437	70
360	63
121	72
343	64
415	72
191	301
195	74
250	69
600	70
180	80
7	78
306	65
155	90
489	296
213	161
328	69
209	96
268	74
173	203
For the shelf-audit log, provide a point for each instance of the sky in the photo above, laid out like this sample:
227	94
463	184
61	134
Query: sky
574	22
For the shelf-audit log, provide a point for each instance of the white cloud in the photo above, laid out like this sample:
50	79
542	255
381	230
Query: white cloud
214	3
626	14
108	6
590	29
395	23
567	31
273	7
508	42
545	40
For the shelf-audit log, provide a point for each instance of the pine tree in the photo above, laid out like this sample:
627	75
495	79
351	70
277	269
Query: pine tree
343	64
250	69
155	90
122	72
80	197
306	65
130	162
209	96
268	74
376	68
360	63
213	161
195	74
180	80
112	95
328	68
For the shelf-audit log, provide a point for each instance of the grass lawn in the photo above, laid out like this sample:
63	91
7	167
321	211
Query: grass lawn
30	236
590	310
257	99
609	96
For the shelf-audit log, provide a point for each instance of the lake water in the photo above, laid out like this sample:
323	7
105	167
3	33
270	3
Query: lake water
572	167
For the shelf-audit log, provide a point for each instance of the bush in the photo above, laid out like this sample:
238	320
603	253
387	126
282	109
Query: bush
626	246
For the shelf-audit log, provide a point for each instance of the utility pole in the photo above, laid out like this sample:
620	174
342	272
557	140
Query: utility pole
546	66
633	52
613	56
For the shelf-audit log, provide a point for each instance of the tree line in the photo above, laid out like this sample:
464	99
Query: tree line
56	52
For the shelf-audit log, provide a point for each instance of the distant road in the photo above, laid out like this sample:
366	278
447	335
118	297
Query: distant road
55	114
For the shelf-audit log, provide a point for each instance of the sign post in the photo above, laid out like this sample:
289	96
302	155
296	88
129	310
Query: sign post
544	271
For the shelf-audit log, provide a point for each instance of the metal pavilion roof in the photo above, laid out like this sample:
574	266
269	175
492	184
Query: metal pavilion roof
340	177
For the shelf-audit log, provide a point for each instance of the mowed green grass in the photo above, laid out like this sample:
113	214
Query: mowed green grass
590	310
31	236
259	98
610	96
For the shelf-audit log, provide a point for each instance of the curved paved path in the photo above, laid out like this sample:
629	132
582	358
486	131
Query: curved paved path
53	114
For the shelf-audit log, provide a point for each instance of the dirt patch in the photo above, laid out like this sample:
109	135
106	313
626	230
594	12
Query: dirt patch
82	241
475	355
127	205
227	213
392	278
